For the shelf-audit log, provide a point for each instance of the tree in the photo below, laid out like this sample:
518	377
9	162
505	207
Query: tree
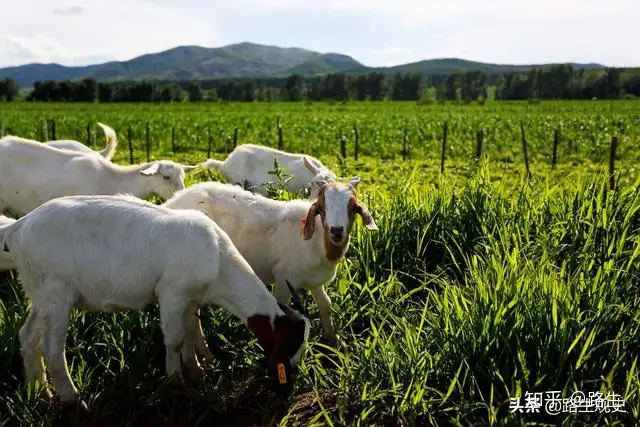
9	89
375	85
294	88
195	91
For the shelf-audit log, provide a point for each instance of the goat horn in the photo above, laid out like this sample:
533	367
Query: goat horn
298	304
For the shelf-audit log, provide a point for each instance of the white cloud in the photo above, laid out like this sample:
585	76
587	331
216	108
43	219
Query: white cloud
25	49
118	29
375	32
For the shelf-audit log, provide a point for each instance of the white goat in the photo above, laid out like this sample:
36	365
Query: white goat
114	253
6	259
70	144
251	163
278	238
32	173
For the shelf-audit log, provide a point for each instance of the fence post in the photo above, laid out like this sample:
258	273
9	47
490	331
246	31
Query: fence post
148	137
235	137
173	139
479	144
444	145
53	129
612	162
356	140
89	141
343	146
129	137
405	143
210	143
556	137
524	149
280	136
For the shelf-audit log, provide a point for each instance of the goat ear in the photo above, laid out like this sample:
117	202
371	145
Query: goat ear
152	169
310	166
310	222
364	213
354	181
188	168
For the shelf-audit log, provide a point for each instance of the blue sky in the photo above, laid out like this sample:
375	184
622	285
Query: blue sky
375	32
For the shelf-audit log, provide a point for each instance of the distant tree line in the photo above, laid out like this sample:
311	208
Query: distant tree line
9	90
558	82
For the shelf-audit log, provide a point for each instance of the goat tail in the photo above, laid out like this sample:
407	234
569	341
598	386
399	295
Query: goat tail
213	164
112	141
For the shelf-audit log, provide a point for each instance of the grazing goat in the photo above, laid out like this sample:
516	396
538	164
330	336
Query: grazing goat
6	259
115	253
107	152
32	173
279	239
251	164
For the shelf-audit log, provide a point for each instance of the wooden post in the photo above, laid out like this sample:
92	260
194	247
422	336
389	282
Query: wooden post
129	137
356	141
343	146
444	146
173	139
612	162
524	149
556	139
280	136
210	144
405	142
89	141
479	144
53	129
2	130
148	138
235	137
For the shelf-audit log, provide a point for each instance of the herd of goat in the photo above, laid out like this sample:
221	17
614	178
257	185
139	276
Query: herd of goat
80	235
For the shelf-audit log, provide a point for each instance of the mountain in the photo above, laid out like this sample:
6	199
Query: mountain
241	60
447	66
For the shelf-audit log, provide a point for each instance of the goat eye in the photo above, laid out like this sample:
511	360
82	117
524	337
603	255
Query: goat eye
166	177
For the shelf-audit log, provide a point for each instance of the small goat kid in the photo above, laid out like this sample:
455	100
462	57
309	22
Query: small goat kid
32	173
251	164
279	238
70	144
112	253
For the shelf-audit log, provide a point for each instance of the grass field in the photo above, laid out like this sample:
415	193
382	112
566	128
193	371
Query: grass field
479	286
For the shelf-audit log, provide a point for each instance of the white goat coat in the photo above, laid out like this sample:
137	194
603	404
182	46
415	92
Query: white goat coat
112	253
251	163
265	231
6	259
32	173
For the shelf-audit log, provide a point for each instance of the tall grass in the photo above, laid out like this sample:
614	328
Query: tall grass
471	293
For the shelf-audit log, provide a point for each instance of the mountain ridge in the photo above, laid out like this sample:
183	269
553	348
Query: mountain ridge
245	60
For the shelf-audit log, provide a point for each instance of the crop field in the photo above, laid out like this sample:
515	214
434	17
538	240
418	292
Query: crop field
482	284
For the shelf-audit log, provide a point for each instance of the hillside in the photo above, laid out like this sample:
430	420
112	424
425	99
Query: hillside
241	60
447	66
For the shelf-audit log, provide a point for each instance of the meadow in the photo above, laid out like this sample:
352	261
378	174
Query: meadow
482	283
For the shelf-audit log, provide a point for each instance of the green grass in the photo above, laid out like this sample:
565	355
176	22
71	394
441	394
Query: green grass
478	287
